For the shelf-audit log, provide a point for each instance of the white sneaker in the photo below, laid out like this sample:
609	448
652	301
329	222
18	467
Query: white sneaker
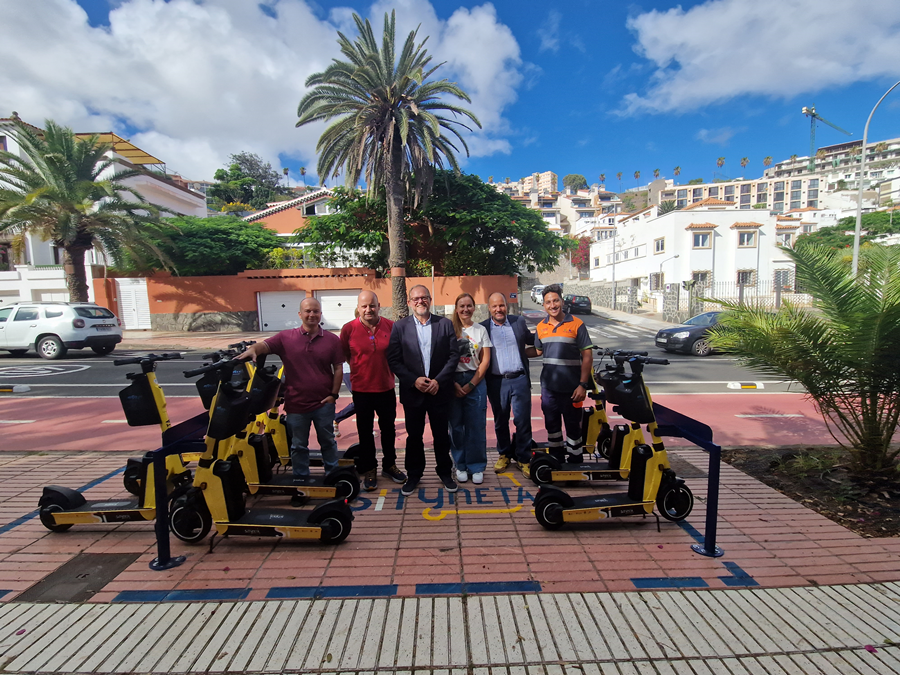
337	430
461	476
478	478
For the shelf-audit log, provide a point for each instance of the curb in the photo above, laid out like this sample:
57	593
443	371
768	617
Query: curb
14	388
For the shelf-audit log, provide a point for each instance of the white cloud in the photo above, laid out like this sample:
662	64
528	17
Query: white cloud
716	136
199	81
721	49
549	32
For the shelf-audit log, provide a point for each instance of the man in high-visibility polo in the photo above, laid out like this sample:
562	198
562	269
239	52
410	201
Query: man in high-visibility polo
565	345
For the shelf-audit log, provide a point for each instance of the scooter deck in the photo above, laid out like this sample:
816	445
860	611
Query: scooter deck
107	511
589	471
272	523
283	484
597	507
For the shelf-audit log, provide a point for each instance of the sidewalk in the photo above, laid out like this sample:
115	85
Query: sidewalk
464	583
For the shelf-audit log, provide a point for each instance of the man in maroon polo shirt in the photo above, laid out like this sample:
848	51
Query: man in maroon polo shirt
312	359
365	340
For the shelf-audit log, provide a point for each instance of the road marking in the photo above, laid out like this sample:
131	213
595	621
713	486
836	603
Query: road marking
17	421
746	385
114	422
785	415
14	388
40	371
380	503
440	515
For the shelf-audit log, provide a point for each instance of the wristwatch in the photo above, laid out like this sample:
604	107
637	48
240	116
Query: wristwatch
586	385
335	396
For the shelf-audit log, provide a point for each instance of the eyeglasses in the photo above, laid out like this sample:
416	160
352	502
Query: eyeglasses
424	298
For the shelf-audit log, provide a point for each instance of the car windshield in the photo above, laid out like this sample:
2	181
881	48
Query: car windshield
94	312
707	319
581	298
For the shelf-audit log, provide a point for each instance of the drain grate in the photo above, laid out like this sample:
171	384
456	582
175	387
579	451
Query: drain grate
80	578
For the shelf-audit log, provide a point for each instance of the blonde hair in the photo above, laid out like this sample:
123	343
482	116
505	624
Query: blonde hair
457	324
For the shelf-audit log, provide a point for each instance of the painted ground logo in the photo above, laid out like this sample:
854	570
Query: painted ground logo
9	372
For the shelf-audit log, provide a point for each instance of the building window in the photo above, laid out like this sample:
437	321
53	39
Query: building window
701	239
745	201
746	277
782	280
796	184
659	245
682	194
812	194
813	183
778	207
656	281
697	193
309	210
714	191
745	189
597	261
795	204
701	279
747	239
807	229
779	186
813	203
761	188
624	255
785	238
729	191
681	203
795	194
635	252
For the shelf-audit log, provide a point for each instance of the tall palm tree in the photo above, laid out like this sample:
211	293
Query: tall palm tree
744	162
387	124
637	178
793	158
303	175
767	161
602	177
720	162
59	193
619	177
844	353
677	171
656	173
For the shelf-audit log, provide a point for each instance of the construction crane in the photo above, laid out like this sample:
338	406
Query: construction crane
811	113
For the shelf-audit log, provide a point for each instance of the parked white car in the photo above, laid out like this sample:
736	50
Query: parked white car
536	294
53	328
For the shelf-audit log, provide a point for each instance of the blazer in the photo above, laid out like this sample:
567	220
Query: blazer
524	338
405	359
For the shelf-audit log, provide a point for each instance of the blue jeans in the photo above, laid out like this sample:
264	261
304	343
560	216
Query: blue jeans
468	415
298	423
511	394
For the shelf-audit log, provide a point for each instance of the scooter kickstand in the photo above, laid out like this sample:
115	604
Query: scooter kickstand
212	540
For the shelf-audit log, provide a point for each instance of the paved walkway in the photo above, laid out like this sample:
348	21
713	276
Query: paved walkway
465	583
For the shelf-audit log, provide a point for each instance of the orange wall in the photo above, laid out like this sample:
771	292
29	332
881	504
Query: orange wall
284	222
192	295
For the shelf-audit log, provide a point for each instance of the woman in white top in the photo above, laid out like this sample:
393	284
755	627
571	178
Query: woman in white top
468	413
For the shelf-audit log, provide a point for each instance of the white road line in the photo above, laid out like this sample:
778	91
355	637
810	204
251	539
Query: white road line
786	415
17	421
114	422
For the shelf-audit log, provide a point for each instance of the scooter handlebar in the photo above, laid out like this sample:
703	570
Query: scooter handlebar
618	352
150	358
219	365
640	358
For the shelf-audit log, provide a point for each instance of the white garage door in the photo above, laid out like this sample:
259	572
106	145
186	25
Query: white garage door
279	310
134	304
337	307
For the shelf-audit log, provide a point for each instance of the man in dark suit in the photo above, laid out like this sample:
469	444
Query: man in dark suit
509	383
415	341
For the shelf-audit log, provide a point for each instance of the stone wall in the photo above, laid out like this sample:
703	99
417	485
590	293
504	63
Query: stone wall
206	321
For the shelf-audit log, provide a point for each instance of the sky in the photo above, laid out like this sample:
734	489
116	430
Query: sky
585	86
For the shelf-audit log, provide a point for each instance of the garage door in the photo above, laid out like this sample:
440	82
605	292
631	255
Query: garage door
279	310
337	307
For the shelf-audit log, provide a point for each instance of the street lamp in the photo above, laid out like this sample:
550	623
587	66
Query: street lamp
862	167
664	262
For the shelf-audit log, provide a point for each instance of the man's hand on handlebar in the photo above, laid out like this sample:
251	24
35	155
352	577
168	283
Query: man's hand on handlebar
254	350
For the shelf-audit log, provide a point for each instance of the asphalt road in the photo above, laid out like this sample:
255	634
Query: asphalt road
83	374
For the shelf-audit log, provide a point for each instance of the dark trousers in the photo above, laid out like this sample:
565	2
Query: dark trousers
513	394
557	408
438	411
383	404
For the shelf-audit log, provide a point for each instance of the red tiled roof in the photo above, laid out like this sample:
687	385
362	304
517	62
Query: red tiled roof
781	226
701	226
290	203
709	201
745	226
805	208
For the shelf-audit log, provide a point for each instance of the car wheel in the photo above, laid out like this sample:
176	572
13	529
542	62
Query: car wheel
103	350
51	347
701	347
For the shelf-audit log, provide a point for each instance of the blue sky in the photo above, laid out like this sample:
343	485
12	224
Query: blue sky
577	87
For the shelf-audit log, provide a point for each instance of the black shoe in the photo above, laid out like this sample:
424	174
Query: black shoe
410	485
394	474
299	500
370	481
449	484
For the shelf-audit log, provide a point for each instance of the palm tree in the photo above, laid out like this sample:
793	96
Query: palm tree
667	207
303	175
844	352
637	177
656	173
619	177
720	162
602	177
793	158
387	123
507	180
60	194
490	180
677	171
767	161
744	163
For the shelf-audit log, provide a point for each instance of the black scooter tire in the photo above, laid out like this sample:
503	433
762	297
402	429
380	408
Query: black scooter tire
46	515
541	471
335	527
675	503
549	512
604	445
132	480
189	522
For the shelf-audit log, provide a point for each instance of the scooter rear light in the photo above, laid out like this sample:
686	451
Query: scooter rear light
78	323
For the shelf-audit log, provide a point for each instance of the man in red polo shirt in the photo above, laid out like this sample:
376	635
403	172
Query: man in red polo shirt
365	341
313	370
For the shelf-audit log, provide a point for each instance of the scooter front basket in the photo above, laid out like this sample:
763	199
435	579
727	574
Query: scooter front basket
138	403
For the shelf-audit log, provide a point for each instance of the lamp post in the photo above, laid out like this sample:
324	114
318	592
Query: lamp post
664	262
862	168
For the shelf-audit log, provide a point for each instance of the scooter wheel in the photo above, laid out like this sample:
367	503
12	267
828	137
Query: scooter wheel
675	503
188	521
346	489
549	513
335	528
132	480
541	471
47	520
604	446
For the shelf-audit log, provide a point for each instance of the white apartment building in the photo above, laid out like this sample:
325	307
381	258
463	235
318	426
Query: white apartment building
709	243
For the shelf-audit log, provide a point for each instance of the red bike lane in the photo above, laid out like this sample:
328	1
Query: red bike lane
80	424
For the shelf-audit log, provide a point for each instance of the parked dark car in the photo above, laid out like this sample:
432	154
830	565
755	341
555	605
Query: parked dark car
576	303
690	337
